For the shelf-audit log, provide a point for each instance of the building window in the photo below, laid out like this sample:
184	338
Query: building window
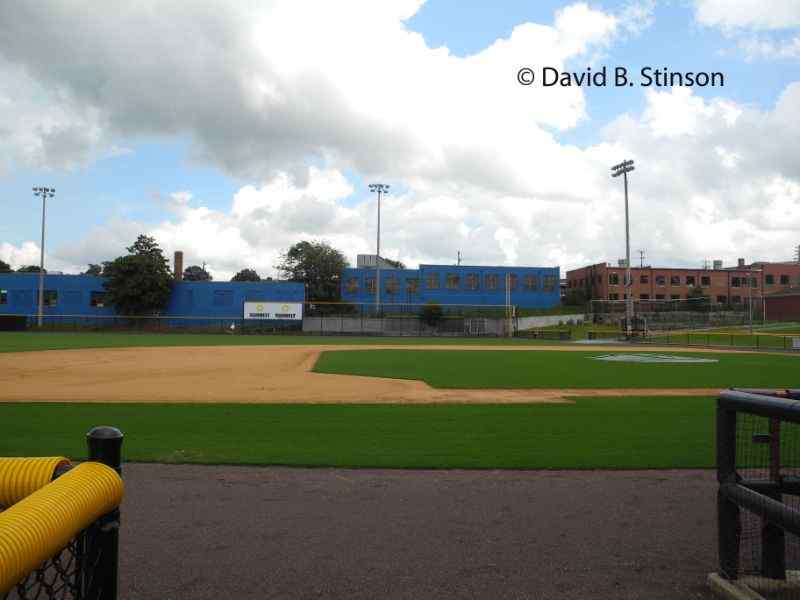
675	297
432	281
644	279
370	285
531	283
352	285
721	299
661	280
392	285
490	281
472	281
223	298
451	281
753	282
3	296
784	280
644	296
770	280
735	282
51	297
659	296
675	280
412	285
549	283
705	281
736	299
690	280
511	281
613	279
98	299
613	296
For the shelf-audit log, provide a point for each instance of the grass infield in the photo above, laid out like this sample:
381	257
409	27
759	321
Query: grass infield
487	369
609	433
13	341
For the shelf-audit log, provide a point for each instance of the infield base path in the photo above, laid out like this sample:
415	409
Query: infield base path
247	374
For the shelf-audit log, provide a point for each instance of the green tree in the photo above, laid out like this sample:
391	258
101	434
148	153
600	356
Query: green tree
94	269
394	263
141	282
431	314
196	273
30	269
575	297
316	264
246	275
5	267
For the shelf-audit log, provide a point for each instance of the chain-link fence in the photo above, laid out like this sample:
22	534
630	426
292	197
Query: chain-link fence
758	469
87	567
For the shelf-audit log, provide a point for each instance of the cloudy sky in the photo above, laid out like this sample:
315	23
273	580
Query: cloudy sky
232	130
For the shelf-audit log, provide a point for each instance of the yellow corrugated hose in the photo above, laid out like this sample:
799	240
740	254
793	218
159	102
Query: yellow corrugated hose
20	477
40	525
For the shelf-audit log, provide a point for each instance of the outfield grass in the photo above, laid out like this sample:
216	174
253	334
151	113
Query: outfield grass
614	433
13	341
487	369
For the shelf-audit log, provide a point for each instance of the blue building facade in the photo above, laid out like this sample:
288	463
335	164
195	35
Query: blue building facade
531	287
84	295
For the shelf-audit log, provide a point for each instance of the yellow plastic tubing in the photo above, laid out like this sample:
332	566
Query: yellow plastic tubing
40	525
20	477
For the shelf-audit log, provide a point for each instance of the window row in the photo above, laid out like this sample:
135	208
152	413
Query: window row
50	298
453	281
719	299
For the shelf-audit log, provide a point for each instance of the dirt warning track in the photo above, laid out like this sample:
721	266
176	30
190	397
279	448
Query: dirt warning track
247	374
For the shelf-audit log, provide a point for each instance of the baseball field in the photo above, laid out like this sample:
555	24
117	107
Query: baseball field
371	402
451	467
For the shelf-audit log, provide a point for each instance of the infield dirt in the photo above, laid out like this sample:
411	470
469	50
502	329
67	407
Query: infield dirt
248	374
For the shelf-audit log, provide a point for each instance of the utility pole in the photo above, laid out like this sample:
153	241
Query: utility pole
44	193
459	258
623	169
641	259
380	188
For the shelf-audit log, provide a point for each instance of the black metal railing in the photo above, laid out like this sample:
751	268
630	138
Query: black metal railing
87	568
758	499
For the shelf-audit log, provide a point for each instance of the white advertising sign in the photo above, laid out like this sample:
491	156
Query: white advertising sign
276	311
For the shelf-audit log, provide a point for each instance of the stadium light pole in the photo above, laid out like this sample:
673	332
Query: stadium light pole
45	193
380	188
623	169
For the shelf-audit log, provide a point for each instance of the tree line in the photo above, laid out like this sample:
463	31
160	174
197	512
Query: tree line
140	282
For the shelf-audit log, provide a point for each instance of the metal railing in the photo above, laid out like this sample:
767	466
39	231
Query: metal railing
87	567
758	498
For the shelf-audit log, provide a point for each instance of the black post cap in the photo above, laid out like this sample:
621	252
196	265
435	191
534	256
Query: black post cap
105	446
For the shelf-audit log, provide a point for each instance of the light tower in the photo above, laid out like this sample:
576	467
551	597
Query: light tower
623	169
380	188
45	193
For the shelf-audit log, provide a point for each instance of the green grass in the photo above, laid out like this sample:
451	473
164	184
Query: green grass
614	433
487	369
12	341
556	310
581	332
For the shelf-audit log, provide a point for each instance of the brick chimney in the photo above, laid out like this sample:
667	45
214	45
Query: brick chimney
178	265
741	263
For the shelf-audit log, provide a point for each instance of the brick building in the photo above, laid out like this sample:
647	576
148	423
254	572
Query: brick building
722	285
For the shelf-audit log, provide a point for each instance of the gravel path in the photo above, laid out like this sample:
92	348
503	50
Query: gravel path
240	532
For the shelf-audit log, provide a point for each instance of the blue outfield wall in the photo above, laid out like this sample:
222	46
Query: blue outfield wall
532	287
80	294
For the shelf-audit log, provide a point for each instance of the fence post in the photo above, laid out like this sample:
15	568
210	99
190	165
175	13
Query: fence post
773	543
729	526
102	537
